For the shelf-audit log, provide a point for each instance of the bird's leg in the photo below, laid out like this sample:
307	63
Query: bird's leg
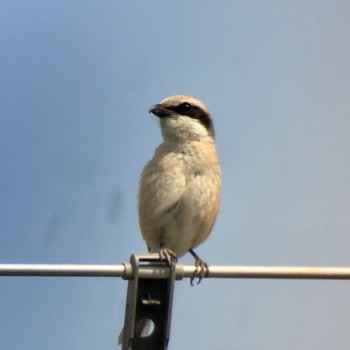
202	268
167	255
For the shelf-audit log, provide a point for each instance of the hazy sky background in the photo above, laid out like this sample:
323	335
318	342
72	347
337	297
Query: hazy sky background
77	79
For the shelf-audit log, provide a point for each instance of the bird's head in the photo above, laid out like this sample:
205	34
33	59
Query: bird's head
183	118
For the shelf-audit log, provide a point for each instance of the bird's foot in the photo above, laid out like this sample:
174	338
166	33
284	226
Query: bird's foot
168	255
202	268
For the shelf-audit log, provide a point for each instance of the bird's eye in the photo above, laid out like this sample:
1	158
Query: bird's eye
186	107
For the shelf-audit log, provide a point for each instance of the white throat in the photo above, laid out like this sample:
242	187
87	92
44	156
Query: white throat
183	128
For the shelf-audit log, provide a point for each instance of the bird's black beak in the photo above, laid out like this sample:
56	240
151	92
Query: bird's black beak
160	111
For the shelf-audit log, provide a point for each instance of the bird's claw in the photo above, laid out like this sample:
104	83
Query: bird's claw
202	270
168	255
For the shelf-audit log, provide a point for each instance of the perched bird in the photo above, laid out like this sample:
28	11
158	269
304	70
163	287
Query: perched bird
180	186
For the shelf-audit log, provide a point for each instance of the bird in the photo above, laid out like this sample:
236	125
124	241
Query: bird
179	190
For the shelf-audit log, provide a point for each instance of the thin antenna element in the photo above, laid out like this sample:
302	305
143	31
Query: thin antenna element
181	271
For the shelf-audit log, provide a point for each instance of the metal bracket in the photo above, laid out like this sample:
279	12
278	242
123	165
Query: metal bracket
148	304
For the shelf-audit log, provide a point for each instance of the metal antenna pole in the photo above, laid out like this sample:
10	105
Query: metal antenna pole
148	304
151	285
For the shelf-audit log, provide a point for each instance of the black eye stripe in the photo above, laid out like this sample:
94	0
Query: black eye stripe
193	111
184	108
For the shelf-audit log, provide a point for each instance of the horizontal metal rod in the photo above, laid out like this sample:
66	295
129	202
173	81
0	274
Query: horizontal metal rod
60	270
182	271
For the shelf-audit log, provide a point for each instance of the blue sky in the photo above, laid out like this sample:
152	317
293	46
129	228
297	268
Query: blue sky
77	80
